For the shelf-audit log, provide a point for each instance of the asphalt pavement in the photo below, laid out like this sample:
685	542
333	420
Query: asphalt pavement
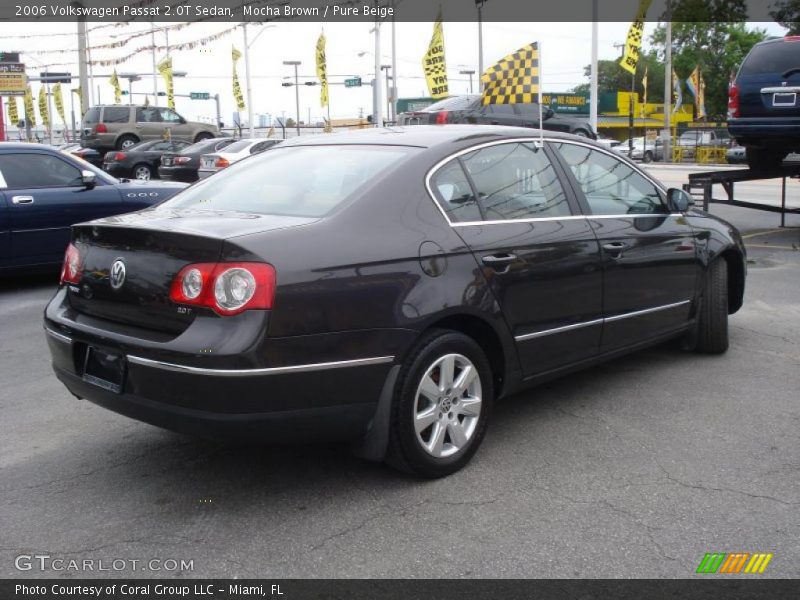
635	468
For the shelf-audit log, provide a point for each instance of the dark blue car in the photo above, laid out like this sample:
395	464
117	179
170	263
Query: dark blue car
43	192
764	102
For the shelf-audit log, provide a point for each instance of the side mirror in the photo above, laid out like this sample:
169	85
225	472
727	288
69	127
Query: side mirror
679	200
88	178
548	113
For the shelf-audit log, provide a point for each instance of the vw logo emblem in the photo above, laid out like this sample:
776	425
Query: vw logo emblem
117	275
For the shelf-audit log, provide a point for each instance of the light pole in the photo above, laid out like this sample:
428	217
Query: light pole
295	64
248	86
479	4
131	77
388	91
469	72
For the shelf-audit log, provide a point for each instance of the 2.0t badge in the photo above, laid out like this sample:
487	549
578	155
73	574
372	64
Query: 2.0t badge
117	275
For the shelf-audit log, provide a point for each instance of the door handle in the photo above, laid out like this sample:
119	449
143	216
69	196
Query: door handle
615	249
499	261
22	199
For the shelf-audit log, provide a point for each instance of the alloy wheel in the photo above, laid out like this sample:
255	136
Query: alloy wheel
142	173
447	405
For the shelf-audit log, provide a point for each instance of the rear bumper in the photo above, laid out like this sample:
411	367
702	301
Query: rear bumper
116	169
288	391
178	173
751	131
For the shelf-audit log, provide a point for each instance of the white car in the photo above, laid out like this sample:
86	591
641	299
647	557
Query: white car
211	163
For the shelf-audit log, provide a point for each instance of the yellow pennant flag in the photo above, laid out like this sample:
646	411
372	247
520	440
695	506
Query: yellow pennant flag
44	112
13	115
697	87
58	100
644	90
434	63
114	81
322	70
237	89
30	115
633	44
513	79
165	68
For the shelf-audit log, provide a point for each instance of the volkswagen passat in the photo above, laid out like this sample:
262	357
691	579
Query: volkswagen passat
386	286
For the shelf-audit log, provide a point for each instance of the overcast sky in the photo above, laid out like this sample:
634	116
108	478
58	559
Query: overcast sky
565	50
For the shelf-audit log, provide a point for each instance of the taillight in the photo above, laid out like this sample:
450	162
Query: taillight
792	38
181	160
72	269
733	101
119	156
221	163
226	288
101	128
441	117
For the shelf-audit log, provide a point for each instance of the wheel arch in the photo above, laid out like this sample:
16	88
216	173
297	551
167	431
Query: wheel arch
736	277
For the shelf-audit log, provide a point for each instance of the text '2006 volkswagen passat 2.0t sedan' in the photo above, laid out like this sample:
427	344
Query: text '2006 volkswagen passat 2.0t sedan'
385	286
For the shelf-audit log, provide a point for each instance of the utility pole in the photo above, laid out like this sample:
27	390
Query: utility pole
249	90
378	89
393	116
667	133
155	68
479	4
295	64
82	74
593	100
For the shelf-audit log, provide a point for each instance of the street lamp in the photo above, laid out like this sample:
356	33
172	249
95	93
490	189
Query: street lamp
249	89
389	96
295	64
479	4
469	72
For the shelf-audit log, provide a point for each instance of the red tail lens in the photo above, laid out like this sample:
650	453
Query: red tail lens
180	160
226	288
120	156
101	128
72	269
441	117
221	163
792	38
733	101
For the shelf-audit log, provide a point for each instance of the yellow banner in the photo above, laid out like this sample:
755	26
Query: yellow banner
58	100
237	89
114	81
697	87
44	112
30	115
633	44
434	63
165	68
13	115
322	70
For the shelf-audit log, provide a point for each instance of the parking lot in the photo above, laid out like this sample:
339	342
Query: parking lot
635	468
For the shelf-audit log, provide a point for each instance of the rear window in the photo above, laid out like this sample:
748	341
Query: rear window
116	114
238	146
772	58
207	146
302	181
92	116
454	103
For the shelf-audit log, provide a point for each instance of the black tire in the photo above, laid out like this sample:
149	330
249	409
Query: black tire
648	157
406	450
141	168
202	136
126	141
711	333
761	159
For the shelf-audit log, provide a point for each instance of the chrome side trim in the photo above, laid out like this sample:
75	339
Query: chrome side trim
530	336
432	171
636	313
778	90
57	336
646	311
359	362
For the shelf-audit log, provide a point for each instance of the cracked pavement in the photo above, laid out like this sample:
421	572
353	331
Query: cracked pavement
635	468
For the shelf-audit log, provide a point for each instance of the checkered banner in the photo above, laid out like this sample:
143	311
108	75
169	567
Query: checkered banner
633	43
514	79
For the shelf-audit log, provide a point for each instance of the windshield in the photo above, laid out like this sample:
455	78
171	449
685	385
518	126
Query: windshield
772	58
302	181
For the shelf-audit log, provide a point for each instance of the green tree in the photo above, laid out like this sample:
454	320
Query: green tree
718	47
787	13
613	78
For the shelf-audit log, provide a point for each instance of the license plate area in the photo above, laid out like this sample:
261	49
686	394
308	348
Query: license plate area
166	161
104	369
784	99
208	164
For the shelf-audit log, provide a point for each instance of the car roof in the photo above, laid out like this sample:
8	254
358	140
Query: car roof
16	146
423	136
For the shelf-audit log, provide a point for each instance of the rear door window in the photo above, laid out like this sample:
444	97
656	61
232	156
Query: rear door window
116	114
30	170
454	193
148	114
92	116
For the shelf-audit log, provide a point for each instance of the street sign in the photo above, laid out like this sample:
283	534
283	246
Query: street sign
12	79
11	57
353	82
199	95
55	77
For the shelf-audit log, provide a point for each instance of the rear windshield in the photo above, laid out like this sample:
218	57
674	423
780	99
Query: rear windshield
772	58
238	146
302	181
454	103
206	146
92	116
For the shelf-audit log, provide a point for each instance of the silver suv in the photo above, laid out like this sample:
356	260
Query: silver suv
120	127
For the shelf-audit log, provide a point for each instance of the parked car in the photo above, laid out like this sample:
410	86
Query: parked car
44	191
142	160
386	288
469	109
692	139
736	155
183	165
648	150
90	155
118	127
211	163
68	146
763	107
608	142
